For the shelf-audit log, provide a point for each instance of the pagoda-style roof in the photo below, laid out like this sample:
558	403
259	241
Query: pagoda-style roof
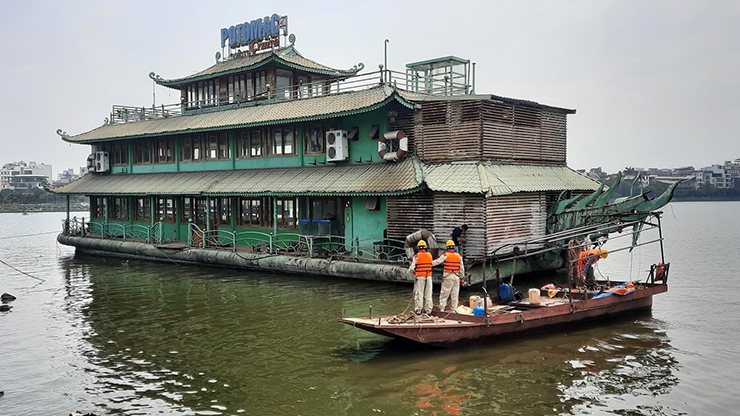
407	176
287	57
307	109
370	179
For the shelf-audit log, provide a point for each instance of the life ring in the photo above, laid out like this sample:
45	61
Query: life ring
403	146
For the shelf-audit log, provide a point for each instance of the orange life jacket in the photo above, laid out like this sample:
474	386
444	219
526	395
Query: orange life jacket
583	257
452	262
423	264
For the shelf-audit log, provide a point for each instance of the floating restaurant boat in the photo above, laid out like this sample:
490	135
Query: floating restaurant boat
272	161
538	310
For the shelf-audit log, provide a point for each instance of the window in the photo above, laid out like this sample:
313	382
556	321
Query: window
186	149
223	210
120	154
251	212
237	88
166	209
223	146
250	143
256	143
143	152
284	80
97	207
187	209
260	83
286	213
325	208
143	209
313	137
120	208
281	142
212	146
165	150
302	87
217	146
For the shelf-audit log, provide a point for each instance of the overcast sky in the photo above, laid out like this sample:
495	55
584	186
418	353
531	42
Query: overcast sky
654	83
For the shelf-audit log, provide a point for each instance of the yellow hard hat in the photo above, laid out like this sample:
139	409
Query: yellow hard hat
450	243
421	243
603	254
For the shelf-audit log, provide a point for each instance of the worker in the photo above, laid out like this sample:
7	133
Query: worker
453	275
421	266
586	260
457	237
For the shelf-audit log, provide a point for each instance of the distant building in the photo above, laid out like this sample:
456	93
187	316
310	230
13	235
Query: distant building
715	176
68	176
23	176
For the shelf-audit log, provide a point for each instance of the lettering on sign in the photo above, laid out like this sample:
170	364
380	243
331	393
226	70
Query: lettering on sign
259	34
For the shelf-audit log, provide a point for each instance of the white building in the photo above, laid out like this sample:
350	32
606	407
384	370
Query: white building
24	175
715	176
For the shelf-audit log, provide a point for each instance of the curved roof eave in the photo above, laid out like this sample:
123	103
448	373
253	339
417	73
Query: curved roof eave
272	59
394	96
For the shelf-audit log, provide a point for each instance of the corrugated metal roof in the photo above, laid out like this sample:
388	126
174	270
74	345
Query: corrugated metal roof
487	178
503	179
370	179
288	56
351	102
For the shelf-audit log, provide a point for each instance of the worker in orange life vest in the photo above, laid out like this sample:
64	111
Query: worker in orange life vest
421	266
453	275
586	260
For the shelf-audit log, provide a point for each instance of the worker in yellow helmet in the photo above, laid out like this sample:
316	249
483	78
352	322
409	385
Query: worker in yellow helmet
453	275
421	267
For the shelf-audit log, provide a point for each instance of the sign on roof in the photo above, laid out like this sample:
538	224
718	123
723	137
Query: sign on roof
259	34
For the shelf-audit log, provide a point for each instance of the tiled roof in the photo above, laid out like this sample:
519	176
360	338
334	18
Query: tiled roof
406	176
287	56
369	179
314	108
503	179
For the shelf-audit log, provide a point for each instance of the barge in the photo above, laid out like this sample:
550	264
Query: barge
272	161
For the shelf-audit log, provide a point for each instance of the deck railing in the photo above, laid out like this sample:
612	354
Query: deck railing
403	80
151	234
320	246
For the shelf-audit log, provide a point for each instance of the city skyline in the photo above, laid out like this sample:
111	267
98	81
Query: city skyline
653	83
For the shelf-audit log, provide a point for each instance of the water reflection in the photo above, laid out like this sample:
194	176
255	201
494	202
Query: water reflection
166	338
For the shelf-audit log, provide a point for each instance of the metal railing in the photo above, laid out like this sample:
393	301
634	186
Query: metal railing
403	80
320	246
151	234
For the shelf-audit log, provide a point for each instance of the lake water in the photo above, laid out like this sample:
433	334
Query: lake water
111	336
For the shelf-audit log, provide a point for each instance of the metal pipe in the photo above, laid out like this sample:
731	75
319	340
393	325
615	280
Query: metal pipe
473	91
385	57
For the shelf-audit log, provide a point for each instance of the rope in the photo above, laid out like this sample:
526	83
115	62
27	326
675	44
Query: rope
31	235
22	272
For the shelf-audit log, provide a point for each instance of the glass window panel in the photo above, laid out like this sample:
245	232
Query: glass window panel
256	143
277	141
288	141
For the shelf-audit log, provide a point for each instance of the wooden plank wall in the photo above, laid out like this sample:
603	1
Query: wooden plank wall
514	216
451	131
554	137
452	210
516	133
409	213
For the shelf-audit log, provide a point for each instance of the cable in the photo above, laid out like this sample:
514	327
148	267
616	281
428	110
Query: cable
30	235
22	272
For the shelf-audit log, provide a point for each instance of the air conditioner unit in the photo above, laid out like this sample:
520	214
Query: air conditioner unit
101	162
337	149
